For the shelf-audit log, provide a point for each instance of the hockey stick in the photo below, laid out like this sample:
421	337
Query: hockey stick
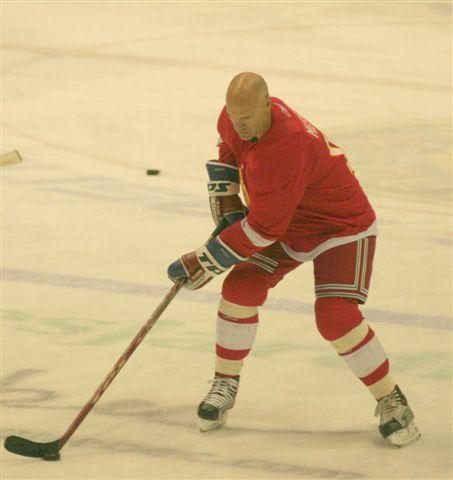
50	450
10	158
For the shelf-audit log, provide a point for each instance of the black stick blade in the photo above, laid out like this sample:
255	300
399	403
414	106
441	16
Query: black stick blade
27	448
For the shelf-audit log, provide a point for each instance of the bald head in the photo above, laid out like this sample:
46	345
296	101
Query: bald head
247	87
248	105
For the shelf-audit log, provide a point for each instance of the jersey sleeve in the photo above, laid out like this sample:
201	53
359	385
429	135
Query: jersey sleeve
225	154
276	184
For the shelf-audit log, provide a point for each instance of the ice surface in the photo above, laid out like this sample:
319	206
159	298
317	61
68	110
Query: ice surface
96	93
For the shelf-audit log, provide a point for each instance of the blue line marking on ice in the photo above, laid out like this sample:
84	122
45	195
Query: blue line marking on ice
281	305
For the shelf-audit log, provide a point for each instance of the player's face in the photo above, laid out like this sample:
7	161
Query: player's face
248	120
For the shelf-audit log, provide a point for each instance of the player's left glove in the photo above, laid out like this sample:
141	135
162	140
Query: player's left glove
201	266
223	188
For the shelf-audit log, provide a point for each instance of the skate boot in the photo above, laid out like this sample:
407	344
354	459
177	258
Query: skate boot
396	419
213	410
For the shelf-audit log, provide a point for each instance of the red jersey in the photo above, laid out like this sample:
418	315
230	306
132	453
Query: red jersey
298	186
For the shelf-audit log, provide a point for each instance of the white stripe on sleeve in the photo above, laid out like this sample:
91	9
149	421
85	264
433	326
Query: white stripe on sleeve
253	236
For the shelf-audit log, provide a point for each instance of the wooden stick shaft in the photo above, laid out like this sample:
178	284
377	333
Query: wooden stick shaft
10	158
120	363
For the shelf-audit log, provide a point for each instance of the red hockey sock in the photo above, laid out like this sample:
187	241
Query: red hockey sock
340	321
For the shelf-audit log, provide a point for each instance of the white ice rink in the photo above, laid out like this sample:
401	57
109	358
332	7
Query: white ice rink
94	94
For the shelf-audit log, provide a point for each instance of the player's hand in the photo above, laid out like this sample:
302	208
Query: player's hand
189	268
223	188
201	266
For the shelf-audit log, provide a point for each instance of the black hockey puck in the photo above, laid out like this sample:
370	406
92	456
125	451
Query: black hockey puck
152	172
51	457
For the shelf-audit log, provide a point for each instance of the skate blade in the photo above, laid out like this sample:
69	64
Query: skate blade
209	425
405	436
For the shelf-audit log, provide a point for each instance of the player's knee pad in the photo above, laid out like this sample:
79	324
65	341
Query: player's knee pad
240	287
336	317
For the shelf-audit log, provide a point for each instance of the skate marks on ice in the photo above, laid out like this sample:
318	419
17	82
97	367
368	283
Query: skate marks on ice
253	466
146	413
108	189
281	305
33	164
76	330
444	9
397	175
394	176
14	395
180	416
49	53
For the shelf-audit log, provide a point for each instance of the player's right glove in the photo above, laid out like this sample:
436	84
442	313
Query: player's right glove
223	188
199	267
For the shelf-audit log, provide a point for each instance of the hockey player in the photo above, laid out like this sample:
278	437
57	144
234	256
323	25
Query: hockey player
303	203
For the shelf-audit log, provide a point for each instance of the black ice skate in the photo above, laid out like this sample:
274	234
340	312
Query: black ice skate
213	410
396	419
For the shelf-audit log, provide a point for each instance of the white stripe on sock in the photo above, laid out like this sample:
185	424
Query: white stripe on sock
235	336
366	359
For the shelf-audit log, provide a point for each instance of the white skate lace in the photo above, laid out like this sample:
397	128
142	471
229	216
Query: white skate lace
390	407
222	393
